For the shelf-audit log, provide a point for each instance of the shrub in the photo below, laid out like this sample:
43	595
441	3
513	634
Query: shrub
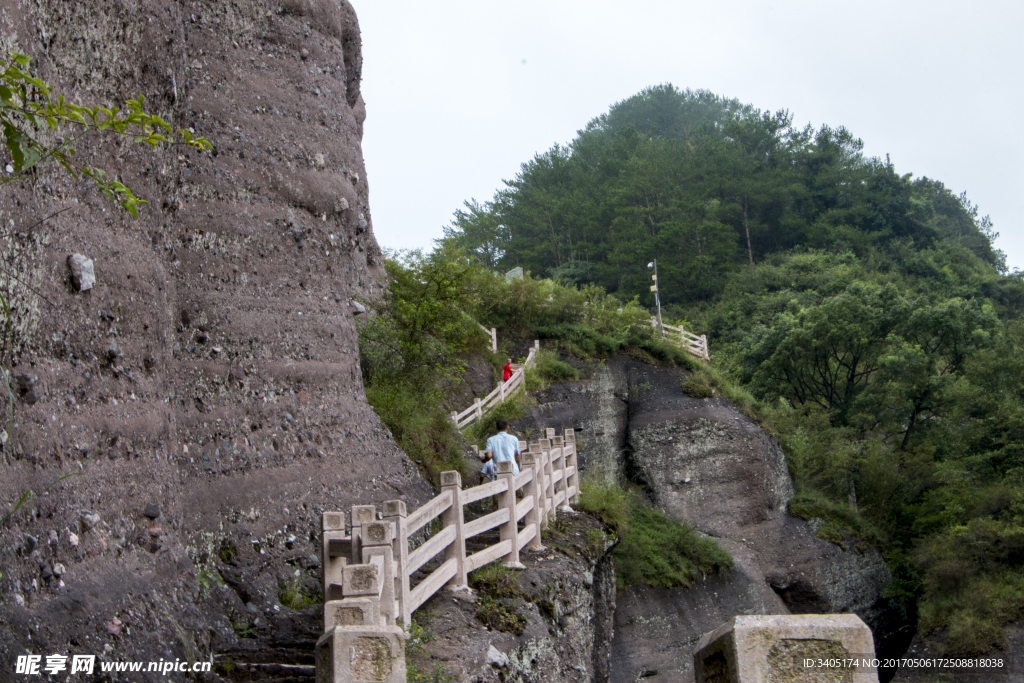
608	502
495	580
838	519
512	408
653	548
657	550
499	616
294	595
421	426
550	368
697	387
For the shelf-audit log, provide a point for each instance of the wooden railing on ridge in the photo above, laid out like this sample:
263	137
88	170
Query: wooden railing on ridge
500	393
691	343
368	573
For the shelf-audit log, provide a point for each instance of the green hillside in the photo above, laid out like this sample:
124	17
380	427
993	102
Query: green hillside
866	311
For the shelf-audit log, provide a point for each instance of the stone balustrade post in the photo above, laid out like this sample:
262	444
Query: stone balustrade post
455	517
336	553
753	648
361	514
358	654
549	478
533	488
395	512
478	409
509	531
377	538
455	418
501	390
563	482
574	478
539	476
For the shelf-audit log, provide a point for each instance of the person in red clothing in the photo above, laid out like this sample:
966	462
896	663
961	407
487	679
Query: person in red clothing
507	374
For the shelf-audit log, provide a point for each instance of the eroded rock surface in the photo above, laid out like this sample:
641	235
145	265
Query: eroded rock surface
705	463
565	599
212	369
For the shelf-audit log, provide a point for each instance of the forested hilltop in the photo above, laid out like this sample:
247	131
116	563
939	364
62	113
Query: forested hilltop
866	312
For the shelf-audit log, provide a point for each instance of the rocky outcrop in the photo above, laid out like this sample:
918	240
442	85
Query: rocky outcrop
551	623
1001	665
211	370
705	463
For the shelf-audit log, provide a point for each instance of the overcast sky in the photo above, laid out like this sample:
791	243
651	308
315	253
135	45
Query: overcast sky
460	93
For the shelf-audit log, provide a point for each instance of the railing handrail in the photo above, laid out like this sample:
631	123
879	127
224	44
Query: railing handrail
696	346
500	392
377	583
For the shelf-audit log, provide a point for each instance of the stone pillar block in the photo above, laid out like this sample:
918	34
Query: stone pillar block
357	654
361	514
336	552
361	580
509	531
350	612
454	517
395	512
533	488
783	648
376	533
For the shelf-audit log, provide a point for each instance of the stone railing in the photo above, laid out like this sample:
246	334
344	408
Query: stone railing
689	342
500	393
492	334
368	572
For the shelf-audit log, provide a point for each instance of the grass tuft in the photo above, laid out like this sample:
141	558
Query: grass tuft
653	548
294	595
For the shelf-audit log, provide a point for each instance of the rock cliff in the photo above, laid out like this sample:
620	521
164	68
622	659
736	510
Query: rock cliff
551	623
705	463
207	389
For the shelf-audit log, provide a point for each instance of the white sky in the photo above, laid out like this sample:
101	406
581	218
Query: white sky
459	93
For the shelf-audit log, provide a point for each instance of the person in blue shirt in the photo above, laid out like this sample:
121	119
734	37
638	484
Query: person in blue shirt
501	447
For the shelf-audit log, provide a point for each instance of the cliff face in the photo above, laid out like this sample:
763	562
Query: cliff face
207	389
705	463
551	623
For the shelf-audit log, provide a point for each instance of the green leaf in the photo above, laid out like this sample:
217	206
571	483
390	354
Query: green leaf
13	139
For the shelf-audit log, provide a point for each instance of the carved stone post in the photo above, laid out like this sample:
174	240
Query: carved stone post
358	654
563	482
453	517
360	515
574	478
537	457
509	530
549	478
337	548
788	647
377	538
394	512
533	488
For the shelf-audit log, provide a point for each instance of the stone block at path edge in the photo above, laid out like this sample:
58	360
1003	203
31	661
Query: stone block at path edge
785	648
354	654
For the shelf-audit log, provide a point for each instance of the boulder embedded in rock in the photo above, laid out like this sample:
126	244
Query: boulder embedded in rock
496	657
83	277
